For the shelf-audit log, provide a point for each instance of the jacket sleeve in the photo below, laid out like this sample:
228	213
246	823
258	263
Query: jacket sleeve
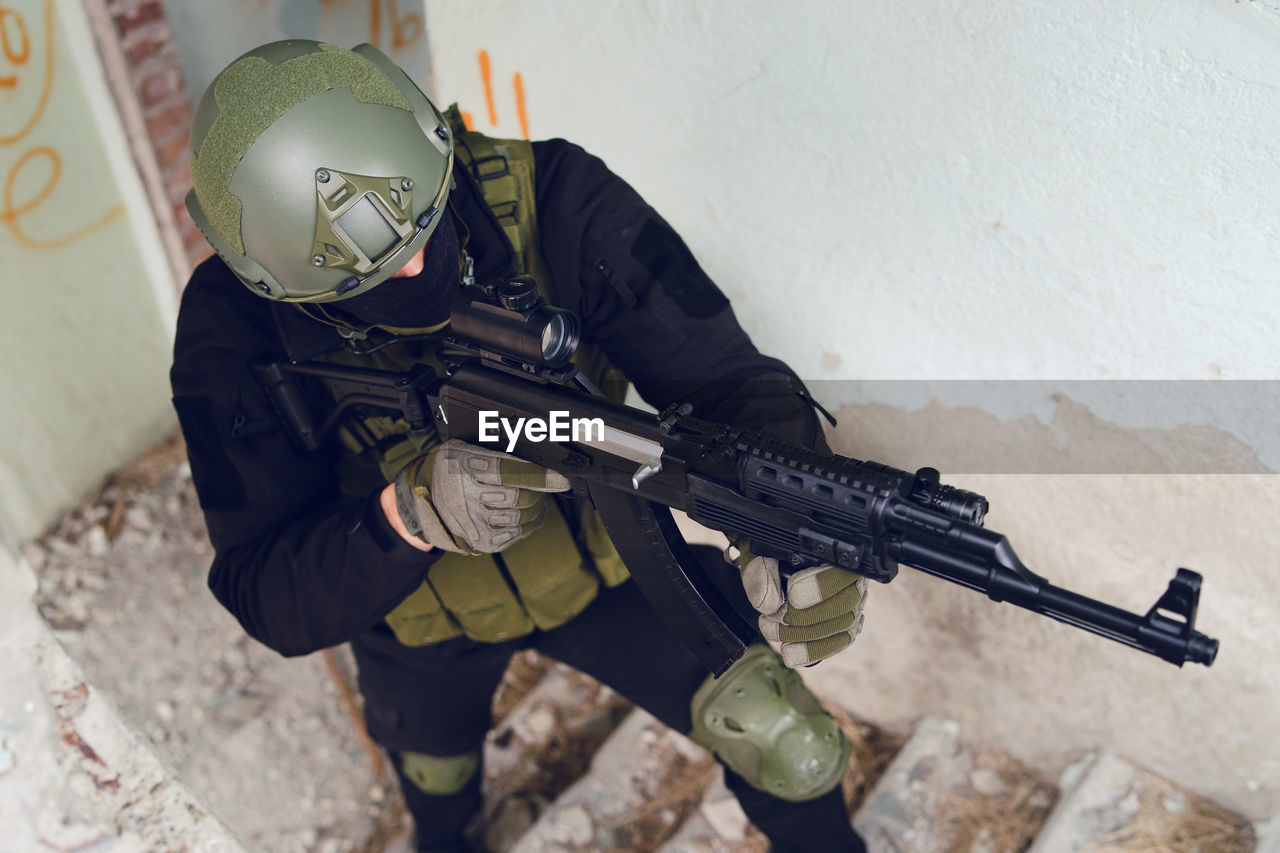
299	565
644	299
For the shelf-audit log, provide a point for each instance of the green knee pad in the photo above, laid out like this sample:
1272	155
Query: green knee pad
763	723
437	776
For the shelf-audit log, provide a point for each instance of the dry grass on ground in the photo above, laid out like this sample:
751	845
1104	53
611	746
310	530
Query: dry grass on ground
872	750
1002	821
647	827
1170	820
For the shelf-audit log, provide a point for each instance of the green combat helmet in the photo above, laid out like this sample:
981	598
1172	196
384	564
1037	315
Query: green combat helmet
317	171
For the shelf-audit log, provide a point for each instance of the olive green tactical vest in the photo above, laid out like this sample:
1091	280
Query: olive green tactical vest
547	578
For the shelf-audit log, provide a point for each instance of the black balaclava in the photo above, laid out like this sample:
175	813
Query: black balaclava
417	301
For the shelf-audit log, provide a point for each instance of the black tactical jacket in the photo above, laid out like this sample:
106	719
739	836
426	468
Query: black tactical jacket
303	567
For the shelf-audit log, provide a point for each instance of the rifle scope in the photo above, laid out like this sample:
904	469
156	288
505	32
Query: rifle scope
512	318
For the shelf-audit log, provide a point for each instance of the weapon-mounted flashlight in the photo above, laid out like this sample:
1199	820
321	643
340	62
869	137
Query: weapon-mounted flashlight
967	506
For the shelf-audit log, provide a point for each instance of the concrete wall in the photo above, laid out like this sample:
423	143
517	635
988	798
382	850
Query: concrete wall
89	299
210	35
144	73
74	775
902	199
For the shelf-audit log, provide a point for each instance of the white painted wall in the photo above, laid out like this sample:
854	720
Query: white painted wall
1007	190
1042	190
210	35
89	300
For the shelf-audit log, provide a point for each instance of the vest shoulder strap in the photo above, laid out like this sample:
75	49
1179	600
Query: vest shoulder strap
504	171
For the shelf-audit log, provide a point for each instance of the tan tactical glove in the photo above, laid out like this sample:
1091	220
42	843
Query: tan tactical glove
468	499
819	614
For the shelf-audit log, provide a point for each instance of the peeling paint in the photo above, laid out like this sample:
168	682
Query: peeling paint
70	702
965	439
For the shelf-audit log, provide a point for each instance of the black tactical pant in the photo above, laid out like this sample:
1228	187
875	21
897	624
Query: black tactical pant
437	700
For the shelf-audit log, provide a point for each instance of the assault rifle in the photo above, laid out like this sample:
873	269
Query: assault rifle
800	506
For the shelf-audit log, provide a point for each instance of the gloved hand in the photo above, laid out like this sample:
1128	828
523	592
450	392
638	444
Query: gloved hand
465	498
819	614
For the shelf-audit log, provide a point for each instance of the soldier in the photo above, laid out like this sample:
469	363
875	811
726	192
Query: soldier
345	211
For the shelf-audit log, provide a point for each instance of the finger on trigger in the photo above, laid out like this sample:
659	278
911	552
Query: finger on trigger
527	475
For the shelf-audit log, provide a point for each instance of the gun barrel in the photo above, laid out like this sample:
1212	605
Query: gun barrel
1174	640
1166	631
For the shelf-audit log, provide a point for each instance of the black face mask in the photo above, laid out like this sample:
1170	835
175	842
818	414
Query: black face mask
417	301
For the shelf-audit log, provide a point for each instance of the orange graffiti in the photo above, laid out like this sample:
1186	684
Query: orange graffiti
487	76
467	121
15	58
405	29
410	21
517	83
5	16
11	213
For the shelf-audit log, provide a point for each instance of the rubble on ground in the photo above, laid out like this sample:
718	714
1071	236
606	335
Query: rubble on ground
274	746
265	741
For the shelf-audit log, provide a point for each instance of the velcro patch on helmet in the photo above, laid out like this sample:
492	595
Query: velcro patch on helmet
251	95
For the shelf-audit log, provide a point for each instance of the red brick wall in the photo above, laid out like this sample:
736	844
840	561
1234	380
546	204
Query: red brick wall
155	74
